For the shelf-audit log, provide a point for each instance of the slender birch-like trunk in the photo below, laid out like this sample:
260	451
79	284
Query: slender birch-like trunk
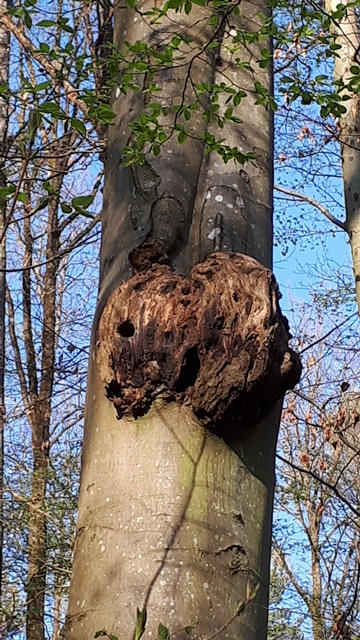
346	34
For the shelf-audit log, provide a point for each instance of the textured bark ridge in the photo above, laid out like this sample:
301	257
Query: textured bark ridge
216	340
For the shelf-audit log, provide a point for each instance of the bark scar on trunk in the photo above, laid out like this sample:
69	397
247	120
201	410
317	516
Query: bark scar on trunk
216	340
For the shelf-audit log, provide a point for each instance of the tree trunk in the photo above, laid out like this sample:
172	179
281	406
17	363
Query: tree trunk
4	78
39	416
175	506
346	34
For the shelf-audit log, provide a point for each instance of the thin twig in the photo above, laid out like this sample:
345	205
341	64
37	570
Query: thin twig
242	606
326	484
337	326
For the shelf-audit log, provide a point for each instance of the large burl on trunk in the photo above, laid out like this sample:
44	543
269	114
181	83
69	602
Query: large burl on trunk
216	340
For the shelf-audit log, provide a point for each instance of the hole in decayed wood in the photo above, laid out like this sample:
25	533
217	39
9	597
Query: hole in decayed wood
219	323
219	344
189	370
126	329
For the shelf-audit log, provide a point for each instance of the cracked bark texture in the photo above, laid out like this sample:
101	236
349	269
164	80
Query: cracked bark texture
346	34
173	517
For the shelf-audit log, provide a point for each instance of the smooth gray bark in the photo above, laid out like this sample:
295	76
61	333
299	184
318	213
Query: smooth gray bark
346	34
172	517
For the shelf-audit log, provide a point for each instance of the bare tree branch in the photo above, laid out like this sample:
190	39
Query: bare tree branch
302	196
51	68
314	475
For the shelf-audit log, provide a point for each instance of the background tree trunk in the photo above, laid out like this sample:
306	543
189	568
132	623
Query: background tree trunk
4	78
39	415
172	517
346	34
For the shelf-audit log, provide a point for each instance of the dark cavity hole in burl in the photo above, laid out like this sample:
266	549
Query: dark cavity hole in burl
189	370
219	323
126	329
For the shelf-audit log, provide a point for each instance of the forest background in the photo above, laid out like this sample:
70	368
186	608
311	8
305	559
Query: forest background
57	72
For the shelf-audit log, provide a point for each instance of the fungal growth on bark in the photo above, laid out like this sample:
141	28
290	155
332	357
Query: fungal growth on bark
216	340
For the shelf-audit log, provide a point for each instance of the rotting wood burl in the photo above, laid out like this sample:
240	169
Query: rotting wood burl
216	340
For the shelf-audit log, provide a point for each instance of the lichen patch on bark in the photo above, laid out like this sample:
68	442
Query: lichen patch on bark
216	340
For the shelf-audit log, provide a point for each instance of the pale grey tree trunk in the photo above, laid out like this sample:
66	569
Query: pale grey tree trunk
346	34
171	516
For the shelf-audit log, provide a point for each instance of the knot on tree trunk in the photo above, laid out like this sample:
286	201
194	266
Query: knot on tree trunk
216	340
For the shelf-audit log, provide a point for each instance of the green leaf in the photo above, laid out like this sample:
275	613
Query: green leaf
141	615
53	109
105	114
46	23
33	123
7	191
306	98
259	88
78	125
355	70
175	4
48	187
163	632
42	86
27	19
156	150
65	207
341	109
100	634
188	7
181	137
189	630
324	111
82	201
